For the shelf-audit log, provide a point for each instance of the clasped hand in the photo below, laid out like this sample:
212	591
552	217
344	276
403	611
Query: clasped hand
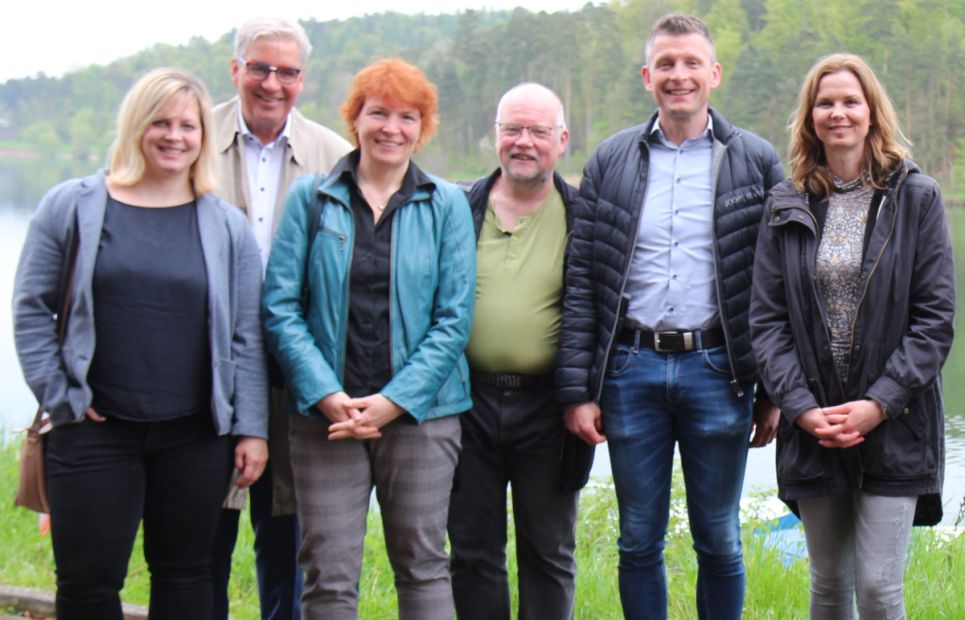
844	425
357	418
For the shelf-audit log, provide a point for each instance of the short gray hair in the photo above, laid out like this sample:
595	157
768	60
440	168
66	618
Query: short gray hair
560	115
271	28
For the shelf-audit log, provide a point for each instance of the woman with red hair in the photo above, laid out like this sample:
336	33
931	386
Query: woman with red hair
368	303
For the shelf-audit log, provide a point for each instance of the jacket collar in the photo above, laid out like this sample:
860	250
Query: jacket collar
785	194
479	197
226	130
479	191
722	131
337	184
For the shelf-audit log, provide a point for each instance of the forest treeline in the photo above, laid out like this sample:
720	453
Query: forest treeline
591	57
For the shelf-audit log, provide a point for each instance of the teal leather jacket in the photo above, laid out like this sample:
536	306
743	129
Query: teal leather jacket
432	290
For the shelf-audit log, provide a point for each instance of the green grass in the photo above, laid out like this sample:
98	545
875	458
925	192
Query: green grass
933	578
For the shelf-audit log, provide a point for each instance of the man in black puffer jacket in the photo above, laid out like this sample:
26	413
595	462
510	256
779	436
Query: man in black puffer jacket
655	326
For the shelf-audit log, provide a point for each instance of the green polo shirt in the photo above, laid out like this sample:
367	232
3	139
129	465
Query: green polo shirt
519	288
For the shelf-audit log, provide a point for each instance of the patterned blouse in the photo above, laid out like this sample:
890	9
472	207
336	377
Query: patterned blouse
839	262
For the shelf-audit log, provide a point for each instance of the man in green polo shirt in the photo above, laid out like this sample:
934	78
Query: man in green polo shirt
514	434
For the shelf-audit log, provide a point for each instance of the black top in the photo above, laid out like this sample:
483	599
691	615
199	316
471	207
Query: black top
368	360
151	355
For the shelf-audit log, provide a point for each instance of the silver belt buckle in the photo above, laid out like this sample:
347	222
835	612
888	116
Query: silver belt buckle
688	341
687	337
657	345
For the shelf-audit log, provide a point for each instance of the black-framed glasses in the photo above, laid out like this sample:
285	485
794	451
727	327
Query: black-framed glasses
260	71
536	132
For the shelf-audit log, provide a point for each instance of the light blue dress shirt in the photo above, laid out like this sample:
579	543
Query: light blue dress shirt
671	283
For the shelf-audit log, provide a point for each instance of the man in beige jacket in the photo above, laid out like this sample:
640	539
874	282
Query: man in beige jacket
263	145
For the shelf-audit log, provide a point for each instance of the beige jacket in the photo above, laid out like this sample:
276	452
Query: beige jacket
312	148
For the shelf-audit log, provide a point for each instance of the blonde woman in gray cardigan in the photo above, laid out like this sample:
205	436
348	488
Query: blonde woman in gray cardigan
162	367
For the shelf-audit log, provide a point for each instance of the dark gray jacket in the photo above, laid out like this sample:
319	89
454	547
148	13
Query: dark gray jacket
576	456
902	333
612	194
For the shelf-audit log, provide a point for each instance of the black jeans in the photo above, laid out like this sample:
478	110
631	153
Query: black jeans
103	478
512	437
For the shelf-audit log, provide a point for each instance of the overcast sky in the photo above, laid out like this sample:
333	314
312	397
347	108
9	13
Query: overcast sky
55	36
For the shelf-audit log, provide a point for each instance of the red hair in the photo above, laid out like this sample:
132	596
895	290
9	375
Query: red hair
396	81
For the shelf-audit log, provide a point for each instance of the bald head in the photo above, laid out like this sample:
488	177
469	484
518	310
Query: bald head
530	135
533	93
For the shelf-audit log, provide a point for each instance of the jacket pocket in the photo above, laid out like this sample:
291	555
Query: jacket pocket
799	457
454	389
223	389
900	448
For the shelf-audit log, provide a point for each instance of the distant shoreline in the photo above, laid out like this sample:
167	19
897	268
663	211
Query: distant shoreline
19	153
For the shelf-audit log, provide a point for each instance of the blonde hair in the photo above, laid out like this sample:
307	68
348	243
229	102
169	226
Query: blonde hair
882	149
141	107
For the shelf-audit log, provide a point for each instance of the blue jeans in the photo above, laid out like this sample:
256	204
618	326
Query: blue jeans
650	401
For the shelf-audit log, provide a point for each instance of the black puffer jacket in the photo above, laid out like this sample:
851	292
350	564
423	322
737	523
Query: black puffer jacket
902	333
611	194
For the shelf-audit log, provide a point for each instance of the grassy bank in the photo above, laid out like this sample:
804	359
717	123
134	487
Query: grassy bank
935	572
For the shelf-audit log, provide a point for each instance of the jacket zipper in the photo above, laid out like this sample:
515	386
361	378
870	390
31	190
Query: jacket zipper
738	390
347	289
810	273
392	247
623	285
871	273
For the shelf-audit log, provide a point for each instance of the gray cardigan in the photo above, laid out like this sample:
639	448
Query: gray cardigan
57	374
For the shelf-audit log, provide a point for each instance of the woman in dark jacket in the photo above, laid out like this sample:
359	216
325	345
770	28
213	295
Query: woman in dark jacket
851	319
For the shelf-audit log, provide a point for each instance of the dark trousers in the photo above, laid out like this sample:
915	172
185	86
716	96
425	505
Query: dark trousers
512	436
102	479
276	556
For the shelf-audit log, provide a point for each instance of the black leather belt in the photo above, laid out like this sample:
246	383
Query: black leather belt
672	342
510	380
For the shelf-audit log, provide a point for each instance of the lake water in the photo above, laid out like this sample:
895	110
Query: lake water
22	185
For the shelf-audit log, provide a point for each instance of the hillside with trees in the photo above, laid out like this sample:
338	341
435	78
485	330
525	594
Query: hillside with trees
591	57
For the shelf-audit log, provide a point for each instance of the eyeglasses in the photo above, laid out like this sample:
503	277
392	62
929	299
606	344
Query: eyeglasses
536	132
260	71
